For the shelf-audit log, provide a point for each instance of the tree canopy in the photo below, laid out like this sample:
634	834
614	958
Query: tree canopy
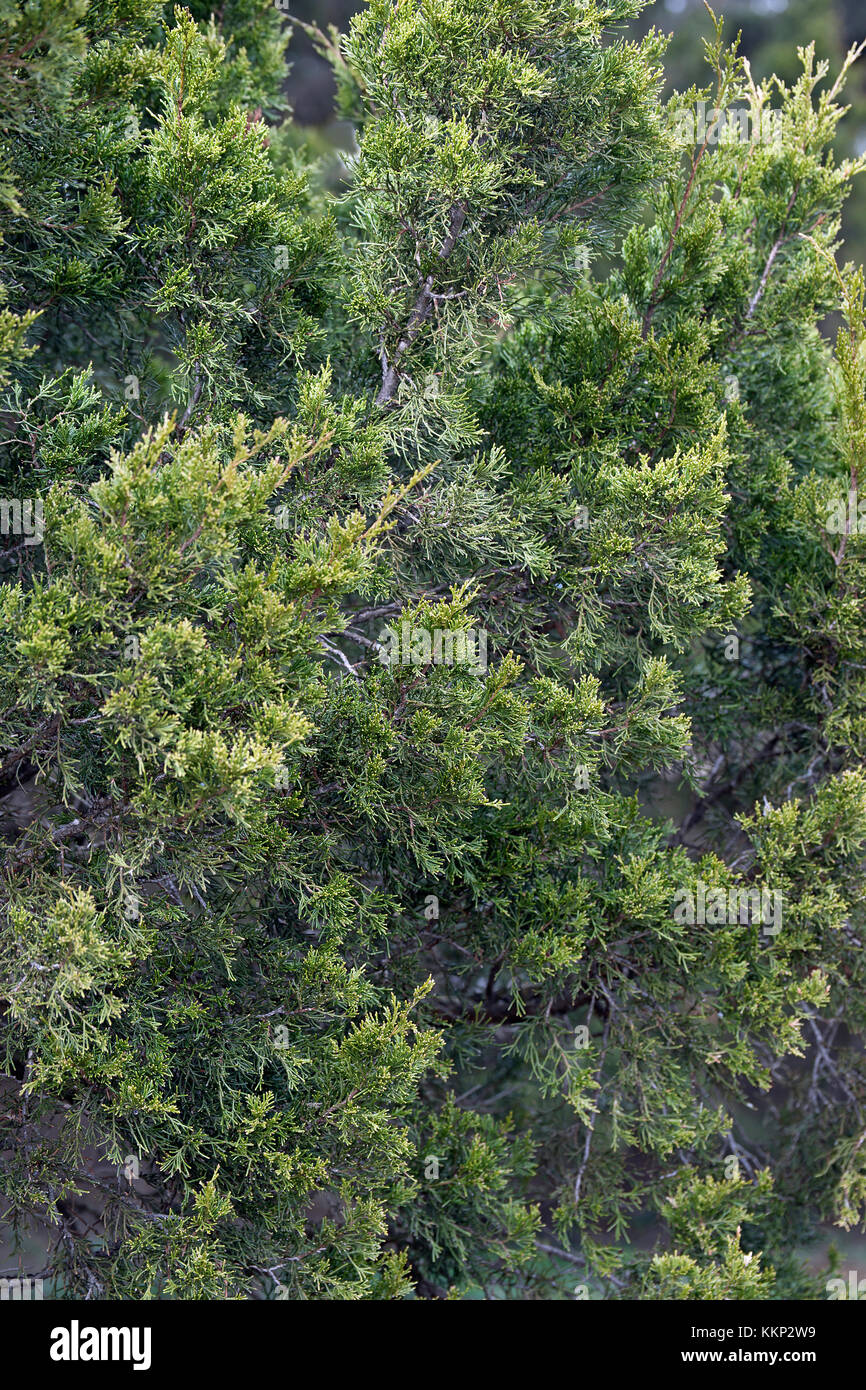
335	960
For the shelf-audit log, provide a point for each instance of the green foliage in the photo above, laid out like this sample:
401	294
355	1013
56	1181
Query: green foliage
433	797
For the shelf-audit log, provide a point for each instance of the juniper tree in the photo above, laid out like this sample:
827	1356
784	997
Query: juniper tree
432	640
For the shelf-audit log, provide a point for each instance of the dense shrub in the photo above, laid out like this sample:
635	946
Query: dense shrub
433	661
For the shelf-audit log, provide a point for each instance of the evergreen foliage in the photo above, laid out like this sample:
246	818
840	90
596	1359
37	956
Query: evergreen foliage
340	958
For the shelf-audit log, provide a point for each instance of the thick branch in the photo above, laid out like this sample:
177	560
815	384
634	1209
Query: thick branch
420	311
